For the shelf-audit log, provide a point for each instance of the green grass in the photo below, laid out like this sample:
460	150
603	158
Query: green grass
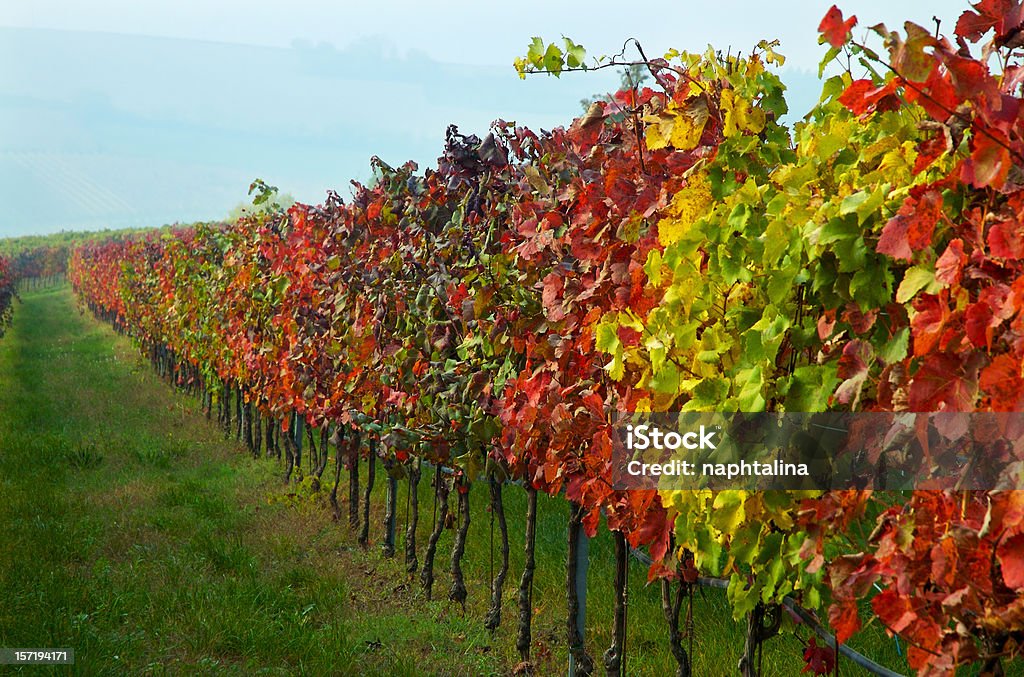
133	532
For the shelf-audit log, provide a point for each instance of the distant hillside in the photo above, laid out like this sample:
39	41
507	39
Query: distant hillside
105	130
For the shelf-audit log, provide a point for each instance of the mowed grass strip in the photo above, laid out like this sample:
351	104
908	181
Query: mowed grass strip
134	533
131	531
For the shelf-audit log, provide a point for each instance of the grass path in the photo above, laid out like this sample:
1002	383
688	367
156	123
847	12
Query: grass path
133	532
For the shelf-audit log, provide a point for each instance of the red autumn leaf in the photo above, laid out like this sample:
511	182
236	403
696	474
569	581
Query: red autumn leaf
949	266
932	322
860	321
893	609
629	336
826	323
990	159
654	531
1011	560
689	572
591	521
658	570
854	359
864	96
936	95
456	295
585	248
821	660
843	618
595	405
1006	239
945	382
945	558
970	77
1002	16
552	292
853	368
833	29
1013	77
931	150
1001	299
972	25
912	227
618	188
1002	382
978	323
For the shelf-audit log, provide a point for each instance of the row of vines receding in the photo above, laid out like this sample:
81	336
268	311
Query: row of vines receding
676	248
8	291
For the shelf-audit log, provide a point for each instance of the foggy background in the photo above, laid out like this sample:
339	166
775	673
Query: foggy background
116	114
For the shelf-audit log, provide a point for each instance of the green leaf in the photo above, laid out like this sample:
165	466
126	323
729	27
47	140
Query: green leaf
837	230
895	349
810	386
708	554
914	280
742	598
780	286
553	60
653	267
666	379
831	54
607	338
616	368
535	53
728	513
778	241
852	203
751	385
575	55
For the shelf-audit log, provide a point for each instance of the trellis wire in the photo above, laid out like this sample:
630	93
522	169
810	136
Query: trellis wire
804	615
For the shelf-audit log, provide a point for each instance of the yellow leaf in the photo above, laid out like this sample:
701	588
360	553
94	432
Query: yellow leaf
617	367
671	231
739	115
686	133
654	138
689	204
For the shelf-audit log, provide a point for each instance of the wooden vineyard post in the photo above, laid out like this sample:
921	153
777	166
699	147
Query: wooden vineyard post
493	619
288	442
225	404
523	636
390	516
580	663
298	423
371	472
615	656
353	481
413	510
338	440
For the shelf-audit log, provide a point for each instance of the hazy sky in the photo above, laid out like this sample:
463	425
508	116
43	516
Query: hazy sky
119	113
476	31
